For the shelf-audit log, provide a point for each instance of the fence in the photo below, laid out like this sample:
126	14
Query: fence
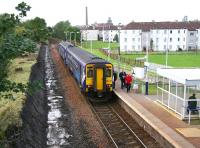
128	61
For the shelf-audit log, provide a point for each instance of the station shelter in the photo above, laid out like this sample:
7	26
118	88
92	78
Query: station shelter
175	86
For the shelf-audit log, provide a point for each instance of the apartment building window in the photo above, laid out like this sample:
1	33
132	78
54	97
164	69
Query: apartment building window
165	31
178	31
170	46
157	31
138	46
157	40
165	47
184	39
125	47
138	39
125	31
133	31
192	34
183	46
133	39
178	46
133	47
125	39
184	31
156	46
178	39
170	39
170	31
165	39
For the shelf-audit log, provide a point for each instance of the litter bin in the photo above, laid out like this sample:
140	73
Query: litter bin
135	87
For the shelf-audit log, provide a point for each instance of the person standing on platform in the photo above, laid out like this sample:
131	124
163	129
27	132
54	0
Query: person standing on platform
122	76
128	80
192	104
114	78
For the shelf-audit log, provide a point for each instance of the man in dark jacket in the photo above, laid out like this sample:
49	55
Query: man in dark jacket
192	104
122	76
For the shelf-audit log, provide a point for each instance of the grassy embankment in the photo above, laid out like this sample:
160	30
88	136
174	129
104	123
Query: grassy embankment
10	109
100	44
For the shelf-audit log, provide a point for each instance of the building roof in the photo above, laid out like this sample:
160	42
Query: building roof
184	76
101	27
147	26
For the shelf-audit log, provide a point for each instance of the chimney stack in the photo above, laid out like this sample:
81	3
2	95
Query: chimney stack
86	11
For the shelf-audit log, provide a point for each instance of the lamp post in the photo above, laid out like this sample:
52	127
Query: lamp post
75	38
109	34
66	33
166	51
147	65
91	45
81	39
119	29
70	36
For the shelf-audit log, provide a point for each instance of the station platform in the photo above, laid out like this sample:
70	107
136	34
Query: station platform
159	122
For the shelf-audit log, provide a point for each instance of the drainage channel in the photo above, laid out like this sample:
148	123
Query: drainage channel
57	134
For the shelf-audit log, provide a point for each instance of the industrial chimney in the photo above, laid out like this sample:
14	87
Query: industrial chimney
86	13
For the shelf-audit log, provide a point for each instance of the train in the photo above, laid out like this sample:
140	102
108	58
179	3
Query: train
93	74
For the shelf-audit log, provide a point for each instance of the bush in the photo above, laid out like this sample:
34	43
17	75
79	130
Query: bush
180	49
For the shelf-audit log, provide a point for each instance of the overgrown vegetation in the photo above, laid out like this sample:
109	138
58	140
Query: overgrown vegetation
65	31
17	41
10	108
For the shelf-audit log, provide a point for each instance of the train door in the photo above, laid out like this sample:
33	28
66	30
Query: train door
99	79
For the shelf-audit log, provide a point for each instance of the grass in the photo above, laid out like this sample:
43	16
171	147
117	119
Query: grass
10	109
174	60
100	44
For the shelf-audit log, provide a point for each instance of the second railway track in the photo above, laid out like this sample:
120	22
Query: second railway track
122	133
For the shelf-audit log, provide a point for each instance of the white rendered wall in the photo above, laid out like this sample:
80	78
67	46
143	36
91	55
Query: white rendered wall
90	35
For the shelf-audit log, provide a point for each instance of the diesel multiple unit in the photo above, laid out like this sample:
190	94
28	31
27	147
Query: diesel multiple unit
93	74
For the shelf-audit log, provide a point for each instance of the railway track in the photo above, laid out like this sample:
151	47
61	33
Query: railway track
119	131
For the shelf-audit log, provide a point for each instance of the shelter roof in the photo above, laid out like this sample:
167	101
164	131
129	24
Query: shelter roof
190	76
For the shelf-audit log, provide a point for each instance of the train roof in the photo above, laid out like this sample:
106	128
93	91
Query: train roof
82	55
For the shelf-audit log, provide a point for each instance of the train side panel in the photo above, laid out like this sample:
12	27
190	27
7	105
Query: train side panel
62	51
74	66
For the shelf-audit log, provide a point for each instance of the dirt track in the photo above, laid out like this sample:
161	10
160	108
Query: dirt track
87	130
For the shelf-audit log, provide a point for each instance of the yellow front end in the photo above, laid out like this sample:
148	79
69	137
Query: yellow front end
89	76
109	77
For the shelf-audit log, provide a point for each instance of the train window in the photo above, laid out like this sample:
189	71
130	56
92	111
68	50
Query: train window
108	72
89	73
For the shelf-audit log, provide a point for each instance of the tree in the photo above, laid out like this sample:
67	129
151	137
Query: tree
151	44
37	29
60	28
23	8
12	44
116	38
63	30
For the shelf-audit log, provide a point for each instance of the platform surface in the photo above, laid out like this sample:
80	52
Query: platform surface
176	131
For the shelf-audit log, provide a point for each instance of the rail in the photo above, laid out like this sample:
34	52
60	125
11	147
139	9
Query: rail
117	129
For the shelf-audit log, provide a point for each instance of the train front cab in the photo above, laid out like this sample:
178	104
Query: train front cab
99	78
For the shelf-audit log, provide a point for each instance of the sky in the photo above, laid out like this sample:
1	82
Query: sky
120	11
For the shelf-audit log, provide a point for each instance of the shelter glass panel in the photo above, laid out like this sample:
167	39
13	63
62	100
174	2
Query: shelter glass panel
165	98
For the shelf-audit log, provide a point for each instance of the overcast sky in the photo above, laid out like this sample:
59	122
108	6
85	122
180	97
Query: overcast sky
120	11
